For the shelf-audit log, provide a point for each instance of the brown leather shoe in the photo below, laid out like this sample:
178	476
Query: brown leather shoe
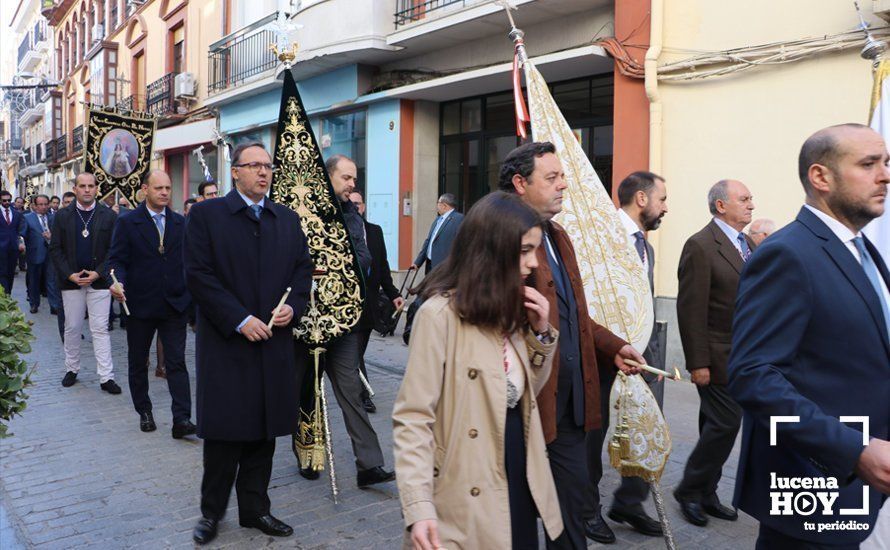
161	371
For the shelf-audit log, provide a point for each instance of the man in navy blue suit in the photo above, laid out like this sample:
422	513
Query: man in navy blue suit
147	258
37	237
12	227
810	361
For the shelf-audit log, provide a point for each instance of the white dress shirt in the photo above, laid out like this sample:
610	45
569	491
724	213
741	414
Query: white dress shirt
631	228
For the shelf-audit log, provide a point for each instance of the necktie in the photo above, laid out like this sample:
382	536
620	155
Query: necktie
871	271
8	221
43	223
743	245
159	221
640	245
257	210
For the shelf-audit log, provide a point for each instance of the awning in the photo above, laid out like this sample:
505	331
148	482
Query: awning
185	135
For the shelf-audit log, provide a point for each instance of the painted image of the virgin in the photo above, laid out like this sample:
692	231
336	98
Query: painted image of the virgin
118	152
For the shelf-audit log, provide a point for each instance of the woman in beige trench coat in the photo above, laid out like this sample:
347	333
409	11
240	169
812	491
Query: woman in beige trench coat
471	463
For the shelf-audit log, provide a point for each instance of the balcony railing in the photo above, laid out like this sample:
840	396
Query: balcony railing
77	140
159	96
132	103
61	148
241	59
409	11
50	148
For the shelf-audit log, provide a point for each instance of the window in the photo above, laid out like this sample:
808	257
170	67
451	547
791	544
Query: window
178	49
103	77
112	15
478	133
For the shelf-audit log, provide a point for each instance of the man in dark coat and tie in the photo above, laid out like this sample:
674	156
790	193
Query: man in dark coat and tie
12	229
810	362
146	255
710	265
441	236
37	237
242	253
642	197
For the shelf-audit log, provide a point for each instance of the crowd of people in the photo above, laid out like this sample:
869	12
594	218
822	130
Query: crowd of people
506	371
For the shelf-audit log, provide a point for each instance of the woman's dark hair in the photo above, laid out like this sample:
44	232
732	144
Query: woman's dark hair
481	274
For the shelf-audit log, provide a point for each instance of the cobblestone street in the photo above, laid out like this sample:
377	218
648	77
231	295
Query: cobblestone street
79	473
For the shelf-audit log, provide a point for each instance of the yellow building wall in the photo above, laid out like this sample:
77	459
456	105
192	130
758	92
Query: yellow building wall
749	126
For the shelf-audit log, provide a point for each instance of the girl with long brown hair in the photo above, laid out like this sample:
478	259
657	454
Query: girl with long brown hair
471	463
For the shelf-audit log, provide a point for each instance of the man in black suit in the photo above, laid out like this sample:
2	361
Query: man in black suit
12	230
441	236
379	279
643	203
147	255
709	269
242	252
79	246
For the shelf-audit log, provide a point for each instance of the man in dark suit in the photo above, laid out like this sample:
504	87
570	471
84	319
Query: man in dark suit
812	345
379	279
37	237
569	403
642	197
441	236
79	246
12	230
710	265
343	355
242	252
146	255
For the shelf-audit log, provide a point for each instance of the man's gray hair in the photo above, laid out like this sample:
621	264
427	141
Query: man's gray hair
236	155
449	199
718	192
762	225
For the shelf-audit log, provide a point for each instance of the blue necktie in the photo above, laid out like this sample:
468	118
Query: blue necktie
743	245
640	245
159	221
257	210
871	271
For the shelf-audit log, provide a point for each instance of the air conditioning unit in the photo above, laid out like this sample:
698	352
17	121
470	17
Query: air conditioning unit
98	32
184	85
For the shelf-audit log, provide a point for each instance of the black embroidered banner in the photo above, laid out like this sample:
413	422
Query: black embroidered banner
117	150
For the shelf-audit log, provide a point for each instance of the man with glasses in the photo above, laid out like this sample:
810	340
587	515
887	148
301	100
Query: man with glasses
12	230
207	190
242	252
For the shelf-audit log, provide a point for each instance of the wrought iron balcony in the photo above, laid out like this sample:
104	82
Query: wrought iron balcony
159	96
408	11
77	140
239	59
61	148
132	103
49	148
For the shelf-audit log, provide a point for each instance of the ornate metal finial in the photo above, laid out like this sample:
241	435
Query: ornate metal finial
283	49
516	34
873	49
199	152
227	147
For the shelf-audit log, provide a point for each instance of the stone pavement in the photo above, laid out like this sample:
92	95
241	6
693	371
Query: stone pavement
78	473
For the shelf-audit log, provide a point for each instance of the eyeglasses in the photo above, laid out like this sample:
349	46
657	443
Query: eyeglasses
5	200
255	166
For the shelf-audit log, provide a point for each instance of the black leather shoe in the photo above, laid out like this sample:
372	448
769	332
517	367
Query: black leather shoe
269	525
597	530
373	476
34	309
182	429
369	405
638	519
720	511
205	530
111	387
309	473
693	512
53	311
147	422
70	379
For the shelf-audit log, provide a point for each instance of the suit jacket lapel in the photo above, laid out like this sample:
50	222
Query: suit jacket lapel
726	248
852	270
146	226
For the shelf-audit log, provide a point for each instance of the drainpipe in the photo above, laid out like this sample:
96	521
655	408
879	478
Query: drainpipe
656	22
